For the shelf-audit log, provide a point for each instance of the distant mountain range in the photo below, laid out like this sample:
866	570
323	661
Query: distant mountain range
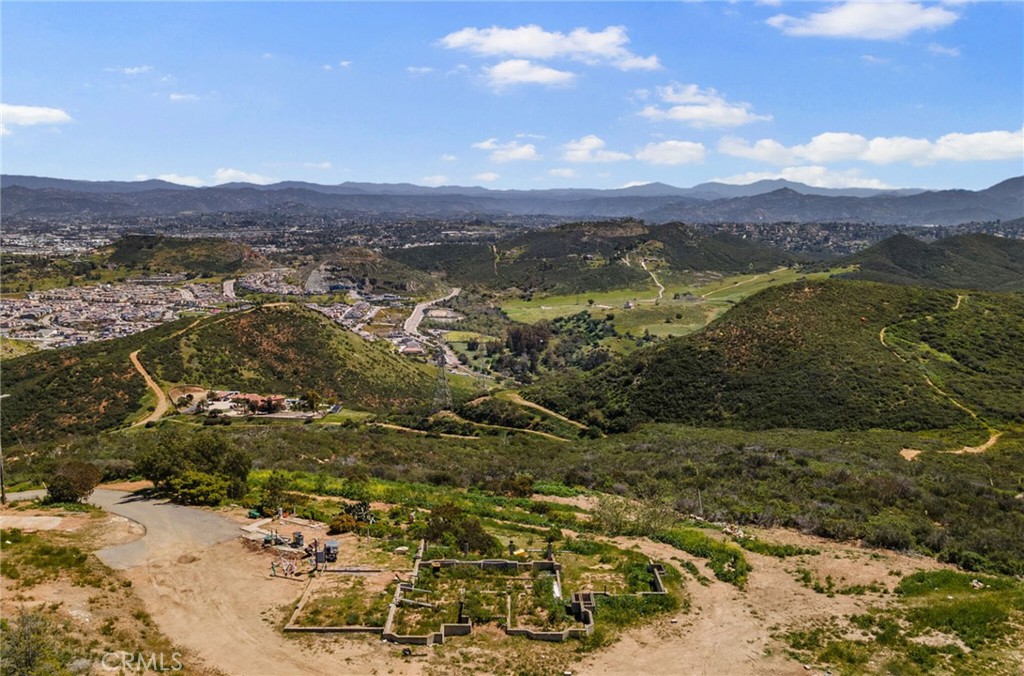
763	201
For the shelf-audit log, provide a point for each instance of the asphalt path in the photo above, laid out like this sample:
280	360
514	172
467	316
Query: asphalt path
171	530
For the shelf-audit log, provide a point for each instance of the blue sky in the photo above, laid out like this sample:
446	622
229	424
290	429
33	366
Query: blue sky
517	95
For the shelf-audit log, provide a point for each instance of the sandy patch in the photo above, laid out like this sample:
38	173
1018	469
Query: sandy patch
31	523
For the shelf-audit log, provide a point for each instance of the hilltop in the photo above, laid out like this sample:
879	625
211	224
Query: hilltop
972	261
814	355
361	268
590	256
202	256
280	349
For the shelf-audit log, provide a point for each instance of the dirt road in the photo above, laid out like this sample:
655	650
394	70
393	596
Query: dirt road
515	398
661	288
162	404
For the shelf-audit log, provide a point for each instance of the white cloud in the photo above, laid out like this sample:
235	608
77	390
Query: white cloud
507	152
608	46
345	64
700	108
842	146
434	180
590	148
27	116
986	145
633	184
178	97
941	50
521	71
524	134
419	70
874	60
317	165
131	70
866	20
449	158
672	152
563	172
814	176
239	176
327	66
487	176
193	181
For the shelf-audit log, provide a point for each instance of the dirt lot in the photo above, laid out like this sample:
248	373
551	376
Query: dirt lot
730	632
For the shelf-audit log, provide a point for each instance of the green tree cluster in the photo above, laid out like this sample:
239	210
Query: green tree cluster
200	468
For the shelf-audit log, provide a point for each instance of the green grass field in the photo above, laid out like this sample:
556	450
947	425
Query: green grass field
648	313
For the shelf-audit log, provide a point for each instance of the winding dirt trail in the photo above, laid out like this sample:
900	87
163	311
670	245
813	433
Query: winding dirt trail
515	398
661	287
910	454
162	404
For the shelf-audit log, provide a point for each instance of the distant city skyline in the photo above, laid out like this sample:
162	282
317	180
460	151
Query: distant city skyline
516	95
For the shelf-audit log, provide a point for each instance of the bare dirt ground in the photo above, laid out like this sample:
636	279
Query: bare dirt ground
730	632
222	604
213	595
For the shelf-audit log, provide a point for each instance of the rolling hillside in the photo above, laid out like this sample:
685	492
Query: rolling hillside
284	349
204	256
368	270
288	349
590	257
810	355
974	261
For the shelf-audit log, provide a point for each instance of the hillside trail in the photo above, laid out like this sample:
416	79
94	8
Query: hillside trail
911	454
400	428
162	402
515	398
455	416
161	399
661	288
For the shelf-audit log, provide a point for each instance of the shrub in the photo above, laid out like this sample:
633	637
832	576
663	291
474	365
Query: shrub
198	488
73	482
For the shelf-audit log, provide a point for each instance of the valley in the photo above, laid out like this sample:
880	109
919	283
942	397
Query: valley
824	464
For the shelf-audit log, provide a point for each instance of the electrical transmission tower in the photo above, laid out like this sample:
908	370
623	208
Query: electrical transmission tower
442	393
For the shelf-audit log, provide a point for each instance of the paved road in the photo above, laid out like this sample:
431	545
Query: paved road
171	530
412	324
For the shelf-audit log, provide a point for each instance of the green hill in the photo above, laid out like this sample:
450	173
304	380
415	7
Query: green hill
202	256
76	390
590	257
973	261
809	355
281	349
288	349
365	269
